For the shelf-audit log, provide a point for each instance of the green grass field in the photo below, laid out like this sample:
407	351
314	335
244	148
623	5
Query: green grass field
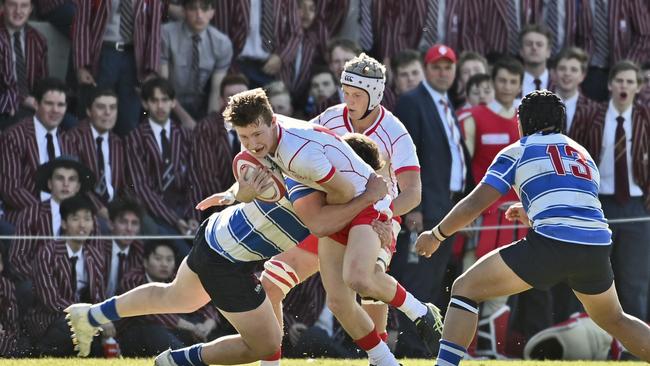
301	362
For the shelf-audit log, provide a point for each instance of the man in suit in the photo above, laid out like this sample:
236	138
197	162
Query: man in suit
28	144
610	31
101	150
215	146
116	44
427	115
65	272
23	61
159	165
568	73
618	138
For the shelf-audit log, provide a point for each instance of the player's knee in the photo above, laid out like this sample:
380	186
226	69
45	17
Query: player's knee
278	278
268	345
338	304
361	285
463	287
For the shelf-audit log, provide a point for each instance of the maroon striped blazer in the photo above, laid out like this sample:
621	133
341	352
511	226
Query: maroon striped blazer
33	220
212	156
297	81
232	18
537	8
19	162
145	170
585	113
133	260
46	6
53	283
304	303
396	27
88	29
589	133
35	62
80	142
8	317
136	278
629	30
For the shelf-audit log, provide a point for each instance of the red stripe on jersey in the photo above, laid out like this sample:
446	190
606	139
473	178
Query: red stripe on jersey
374	127
407	168
280	279
296	154
327	177
348	125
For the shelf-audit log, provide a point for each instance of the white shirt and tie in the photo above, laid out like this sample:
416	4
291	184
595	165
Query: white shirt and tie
80	268
571	105
528	84
41	142
115	263
607	162
157	128
107	162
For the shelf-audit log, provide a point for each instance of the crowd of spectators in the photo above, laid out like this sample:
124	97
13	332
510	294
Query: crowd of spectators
131	137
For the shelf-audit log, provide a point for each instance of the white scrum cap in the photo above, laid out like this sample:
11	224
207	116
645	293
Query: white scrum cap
364	72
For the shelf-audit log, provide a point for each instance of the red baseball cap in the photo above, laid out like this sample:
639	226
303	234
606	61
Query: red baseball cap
438	51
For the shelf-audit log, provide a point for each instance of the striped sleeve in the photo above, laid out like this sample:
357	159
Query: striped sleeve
12	187
297	190
46	287
501	174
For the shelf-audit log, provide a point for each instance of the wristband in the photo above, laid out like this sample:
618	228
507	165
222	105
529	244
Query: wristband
229	198
438	234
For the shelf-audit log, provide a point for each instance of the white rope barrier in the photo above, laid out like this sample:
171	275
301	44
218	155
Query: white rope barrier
175	237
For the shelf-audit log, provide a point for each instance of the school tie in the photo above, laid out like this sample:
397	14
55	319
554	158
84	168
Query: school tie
601	39
121	263
127	20
73	272
552	23
168	167
101	188
621	182
454	136
538	84
21	66
365	21
513	28
430	31
196	74
51	155
267	25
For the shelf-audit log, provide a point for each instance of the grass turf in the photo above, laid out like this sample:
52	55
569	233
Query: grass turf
297	362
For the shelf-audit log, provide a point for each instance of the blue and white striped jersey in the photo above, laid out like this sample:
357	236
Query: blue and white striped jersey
258	230
557	182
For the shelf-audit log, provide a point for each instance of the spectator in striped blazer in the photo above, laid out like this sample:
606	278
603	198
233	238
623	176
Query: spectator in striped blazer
28	144
215	146
9	323
23	62
618	139
117	45
59	13
149	335
559	17
65	272
535	50
644	95
568	73
159	165
610	31
102	151
195	58
339	51
63	178
408	71
262	43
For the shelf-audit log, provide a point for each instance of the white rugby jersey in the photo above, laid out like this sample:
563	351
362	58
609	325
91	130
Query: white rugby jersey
258	230
312	154
395	144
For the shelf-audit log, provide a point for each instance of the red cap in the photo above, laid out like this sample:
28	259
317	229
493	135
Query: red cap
438	51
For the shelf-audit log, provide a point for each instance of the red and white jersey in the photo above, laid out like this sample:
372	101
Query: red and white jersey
395	143
311	154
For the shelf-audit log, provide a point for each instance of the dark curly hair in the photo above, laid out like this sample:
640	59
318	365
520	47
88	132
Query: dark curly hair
542	110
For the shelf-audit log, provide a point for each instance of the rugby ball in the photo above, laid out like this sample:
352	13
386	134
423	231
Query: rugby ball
244	164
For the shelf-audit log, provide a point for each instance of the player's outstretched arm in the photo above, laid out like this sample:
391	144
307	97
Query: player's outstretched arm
465	211
323	219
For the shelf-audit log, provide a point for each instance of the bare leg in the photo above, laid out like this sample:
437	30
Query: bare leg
259	336
303	262
606	311
379	315
488	278
183	295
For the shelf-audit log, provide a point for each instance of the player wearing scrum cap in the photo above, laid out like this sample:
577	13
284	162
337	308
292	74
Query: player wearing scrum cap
363	81
569	241
220	268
